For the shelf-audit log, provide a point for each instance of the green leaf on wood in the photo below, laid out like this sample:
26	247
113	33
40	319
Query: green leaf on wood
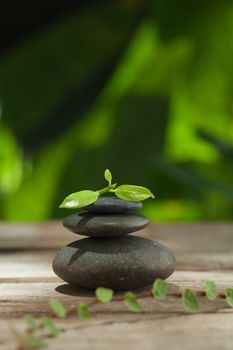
133	193
104	294
34	342
57	307
83	311
210	289
49	324
132	303
80	199
229	296
159	289
108	176
31	322
20	338
189	301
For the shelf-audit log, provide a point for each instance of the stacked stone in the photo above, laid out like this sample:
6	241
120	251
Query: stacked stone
110	257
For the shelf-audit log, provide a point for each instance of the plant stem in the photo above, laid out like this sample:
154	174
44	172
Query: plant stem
119	298
106	189
103	190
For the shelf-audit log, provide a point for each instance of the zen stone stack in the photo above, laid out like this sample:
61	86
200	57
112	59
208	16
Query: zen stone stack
110	257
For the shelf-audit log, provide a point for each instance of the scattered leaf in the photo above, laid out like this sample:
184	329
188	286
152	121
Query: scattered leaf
104	294
189	301
31	322
132	303
35	342
229	296
210	289
57	307
133	193
159	289
20	338
108	176
49	324
80	199
83	311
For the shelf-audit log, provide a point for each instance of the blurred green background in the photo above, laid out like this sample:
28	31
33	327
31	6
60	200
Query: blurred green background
144	88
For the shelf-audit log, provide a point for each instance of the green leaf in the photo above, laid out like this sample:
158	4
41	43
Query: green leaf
132	303
79	199
133	193
229	296
159	289
189	301
57	307
83	311
210	289
108	176
35	342
104	294
27	341
31	322
49	324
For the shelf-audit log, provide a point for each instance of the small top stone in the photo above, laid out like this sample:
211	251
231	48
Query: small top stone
112	205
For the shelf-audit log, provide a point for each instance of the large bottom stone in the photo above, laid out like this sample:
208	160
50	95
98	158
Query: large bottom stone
121	263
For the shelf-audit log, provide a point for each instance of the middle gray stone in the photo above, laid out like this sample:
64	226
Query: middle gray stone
105	225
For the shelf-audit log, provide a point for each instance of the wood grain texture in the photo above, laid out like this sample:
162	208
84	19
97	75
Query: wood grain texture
27	282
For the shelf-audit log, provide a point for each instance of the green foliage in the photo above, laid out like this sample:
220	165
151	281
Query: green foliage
104	294
126	192
210	289
83	311
11	161
31	322
57	307
49	324
159	289
132	303
229	296
79	199
132	91
189	301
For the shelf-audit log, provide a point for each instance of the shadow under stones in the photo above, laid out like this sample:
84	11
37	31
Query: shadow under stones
69	289
75	290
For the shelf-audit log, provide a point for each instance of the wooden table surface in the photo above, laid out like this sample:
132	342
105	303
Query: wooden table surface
203	252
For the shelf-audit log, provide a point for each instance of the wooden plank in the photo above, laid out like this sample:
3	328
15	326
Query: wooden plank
149	332
186	238
26	297
22	236
183	332
27	282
